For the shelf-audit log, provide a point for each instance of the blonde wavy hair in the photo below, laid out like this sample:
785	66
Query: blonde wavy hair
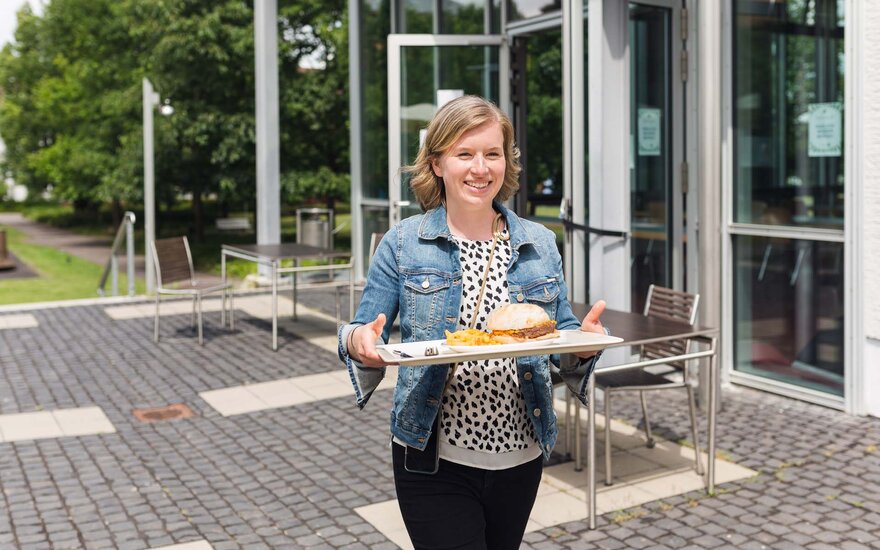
448	125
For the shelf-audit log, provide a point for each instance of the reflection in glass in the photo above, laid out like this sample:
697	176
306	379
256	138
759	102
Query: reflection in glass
524	9
788	311
375	26
651	151
468	17
415	16
541	177
456	17
788	112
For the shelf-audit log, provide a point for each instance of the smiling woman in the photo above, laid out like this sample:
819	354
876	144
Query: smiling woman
443	272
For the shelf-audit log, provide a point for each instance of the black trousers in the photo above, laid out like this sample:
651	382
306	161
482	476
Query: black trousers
466	508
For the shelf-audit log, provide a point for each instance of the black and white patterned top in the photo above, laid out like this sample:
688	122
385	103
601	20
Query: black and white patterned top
483	408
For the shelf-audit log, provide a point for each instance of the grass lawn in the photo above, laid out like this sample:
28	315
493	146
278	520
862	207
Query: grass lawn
61	276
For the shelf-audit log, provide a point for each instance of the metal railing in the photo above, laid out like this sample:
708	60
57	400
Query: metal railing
112	268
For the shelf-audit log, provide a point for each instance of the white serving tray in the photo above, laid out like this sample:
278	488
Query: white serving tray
437	352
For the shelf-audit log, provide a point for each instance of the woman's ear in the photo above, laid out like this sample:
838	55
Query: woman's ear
435	167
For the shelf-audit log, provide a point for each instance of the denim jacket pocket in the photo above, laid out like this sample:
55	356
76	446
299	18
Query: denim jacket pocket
426	296
541	292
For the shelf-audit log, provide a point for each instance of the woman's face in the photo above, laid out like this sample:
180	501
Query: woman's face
473	168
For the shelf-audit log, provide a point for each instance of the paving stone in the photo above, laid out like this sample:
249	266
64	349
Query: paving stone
274	479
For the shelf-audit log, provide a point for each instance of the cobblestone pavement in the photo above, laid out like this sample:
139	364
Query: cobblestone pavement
292	477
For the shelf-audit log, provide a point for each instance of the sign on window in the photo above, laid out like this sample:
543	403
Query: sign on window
649	132
825	136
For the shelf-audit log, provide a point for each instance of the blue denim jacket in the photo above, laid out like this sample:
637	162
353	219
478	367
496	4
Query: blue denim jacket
420	250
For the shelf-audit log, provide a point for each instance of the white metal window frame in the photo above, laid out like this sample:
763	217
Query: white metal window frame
395	43
851	400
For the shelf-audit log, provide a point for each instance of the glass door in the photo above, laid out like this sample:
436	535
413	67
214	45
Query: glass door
656	202
424	72
538	114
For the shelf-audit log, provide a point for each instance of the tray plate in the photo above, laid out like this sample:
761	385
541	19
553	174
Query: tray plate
437	352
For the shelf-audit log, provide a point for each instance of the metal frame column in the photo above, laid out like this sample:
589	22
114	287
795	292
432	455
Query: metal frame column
268	144
609	150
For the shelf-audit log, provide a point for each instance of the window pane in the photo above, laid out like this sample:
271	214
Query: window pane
788	311
788	112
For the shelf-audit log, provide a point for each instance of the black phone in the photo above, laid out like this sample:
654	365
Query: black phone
427	461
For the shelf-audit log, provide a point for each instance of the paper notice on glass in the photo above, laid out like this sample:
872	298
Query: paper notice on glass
825	134
649	132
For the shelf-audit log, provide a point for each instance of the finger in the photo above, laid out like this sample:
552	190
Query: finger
595	312
378	325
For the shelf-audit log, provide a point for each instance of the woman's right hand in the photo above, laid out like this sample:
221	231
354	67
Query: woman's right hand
362	343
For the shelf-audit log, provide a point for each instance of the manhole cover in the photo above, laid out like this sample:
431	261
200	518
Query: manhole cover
160	414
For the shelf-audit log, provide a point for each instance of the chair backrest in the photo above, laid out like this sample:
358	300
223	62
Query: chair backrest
173	260
674	305
375	239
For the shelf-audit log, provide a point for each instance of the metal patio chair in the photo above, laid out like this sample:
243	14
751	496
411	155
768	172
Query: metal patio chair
668	304
175	276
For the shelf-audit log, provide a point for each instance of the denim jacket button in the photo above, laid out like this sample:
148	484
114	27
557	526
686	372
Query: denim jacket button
425	283
421	440
520	297
527	376
537	412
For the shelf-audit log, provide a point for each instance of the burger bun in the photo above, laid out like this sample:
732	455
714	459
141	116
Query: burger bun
514	323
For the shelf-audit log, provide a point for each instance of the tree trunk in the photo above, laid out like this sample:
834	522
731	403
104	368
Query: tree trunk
117	213
198	216
84	207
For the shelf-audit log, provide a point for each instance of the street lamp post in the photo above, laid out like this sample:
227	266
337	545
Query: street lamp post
151	100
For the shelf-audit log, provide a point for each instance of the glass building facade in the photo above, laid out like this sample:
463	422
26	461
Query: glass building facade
628	97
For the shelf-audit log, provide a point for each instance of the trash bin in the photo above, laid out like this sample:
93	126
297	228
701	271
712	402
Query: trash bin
314	226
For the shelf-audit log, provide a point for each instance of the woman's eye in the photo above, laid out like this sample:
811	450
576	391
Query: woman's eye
464	155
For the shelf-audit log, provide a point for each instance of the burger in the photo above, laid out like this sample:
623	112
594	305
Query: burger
514	323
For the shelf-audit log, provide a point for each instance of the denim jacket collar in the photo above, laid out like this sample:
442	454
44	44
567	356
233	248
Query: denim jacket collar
434	226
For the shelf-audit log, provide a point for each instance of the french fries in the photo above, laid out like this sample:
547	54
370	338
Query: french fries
470	337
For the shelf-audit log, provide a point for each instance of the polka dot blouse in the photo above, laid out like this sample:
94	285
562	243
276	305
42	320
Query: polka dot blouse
483	408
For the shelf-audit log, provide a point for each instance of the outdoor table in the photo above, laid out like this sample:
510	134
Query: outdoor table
637	329
273	254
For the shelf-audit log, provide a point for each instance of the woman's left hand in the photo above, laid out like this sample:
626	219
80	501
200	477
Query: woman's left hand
592	323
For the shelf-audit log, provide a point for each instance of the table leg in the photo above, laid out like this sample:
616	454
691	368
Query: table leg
713	378
591	451
578	457
223	277
351	292
293	281
275	306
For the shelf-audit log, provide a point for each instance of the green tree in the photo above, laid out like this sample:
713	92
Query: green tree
70	100
66	85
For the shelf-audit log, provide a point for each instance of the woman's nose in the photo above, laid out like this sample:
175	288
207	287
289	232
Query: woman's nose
479	164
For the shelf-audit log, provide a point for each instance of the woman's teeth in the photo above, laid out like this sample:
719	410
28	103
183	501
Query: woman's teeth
482	185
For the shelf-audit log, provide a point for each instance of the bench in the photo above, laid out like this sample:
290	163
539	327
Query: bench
233	224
